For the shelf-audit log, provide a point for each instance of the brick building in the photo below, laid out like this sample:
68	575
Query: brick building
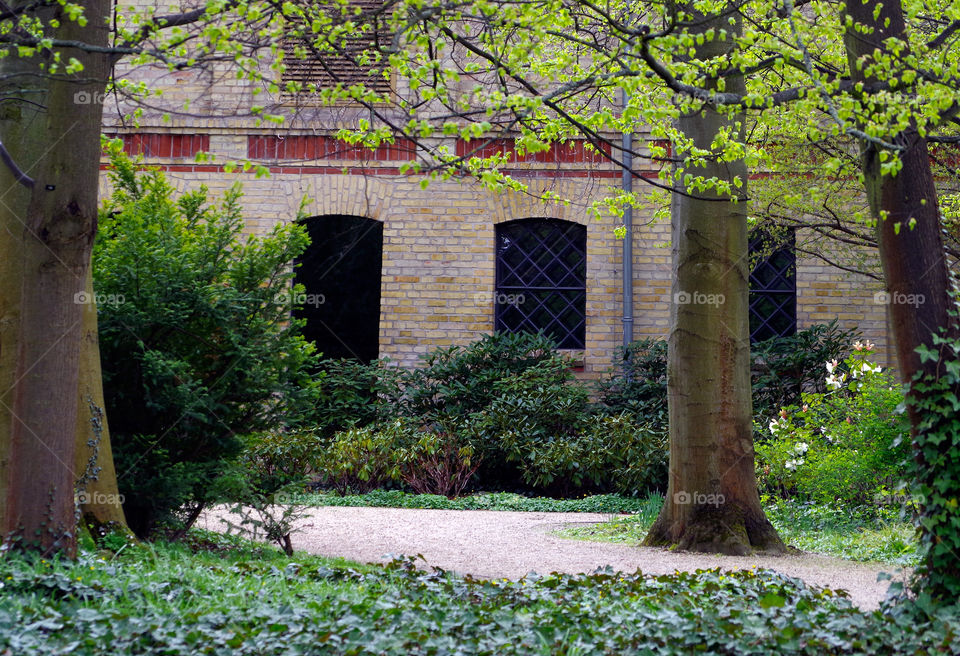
397	269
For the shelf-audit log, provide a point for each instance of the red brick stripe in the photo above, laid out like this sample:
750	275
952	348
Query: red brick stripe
155	144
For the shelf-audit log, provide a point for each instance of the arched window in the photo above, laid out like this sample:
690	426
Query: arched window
341	273
773	288
541	279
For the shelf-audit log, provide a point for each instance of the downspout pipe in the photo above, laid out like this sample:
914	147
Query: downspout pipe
627	183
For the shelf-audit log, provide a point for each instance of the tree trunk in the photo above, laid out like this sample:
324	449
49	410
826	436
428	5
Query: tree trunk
101	506
53	226
913	258
712	502
916	272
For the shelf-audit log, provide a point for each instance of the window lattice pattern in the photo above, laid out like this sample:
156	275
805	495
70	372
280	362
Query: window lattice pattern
773	291
541	279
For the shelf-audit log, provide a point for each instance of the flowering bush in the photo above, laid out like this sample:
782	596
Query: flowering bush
849	443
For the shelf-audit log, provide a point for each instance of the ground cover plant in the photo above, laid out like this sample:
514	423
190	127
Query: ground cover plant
509	501
861	533
217	595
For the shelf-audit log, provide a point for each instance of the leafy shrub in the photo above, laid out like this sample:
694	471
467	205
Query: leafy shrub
638	382
439	462
530	426
361	459
626	457
782	368
196	339
354	393
785	367
848	444
266	482
457	381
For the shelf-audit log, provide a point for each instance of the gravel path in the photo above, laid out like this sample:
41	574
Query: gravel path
511	544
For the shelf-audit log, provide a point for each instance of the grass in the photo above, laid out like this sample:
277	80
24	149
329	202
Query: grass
860	534
222	595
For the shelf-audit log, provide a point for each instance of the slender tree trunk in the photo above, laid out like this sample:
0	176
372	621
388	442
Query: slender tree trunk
55	226
712	503
909	232
916	271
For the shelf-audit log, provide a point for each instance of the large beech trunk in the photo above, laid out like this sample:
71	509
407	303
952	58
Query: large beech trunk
712	503
48	231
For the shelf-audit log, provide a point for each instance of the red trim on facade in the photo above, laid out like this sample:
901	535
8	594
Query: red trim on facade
385	170
571	152
156	144
308	147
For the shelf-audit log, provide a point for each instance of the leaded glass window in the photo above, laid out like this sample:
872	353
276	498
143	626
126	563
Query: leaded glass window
541	281
773	288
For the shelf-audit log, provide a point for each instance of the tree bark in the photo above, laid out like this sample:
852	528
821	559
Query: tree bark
916	272
913	257
101	506
53	226
712	503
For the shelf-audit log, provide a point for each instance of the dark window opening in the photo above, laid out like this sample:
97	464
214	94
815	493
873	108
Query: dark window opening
340	272
773	287
541	279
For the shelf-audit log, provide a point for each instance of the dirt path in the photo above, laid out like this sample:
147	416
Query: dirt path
511	544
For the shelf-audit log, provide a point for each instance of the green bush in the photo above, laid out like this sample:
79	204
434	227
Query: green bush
782	367
354	393
638	382
847	444
530	426
438	462
626	457
267	480
195	336
785	367
363	458
457	381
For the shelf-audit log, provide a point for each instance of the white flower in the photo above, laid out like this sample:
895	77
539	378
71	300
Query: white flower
801	447
831	365
858	346
834	382
790	464
774	425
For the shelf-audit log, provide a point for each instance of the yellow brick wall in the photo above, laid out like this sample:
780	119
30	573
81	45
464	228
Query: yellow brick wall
437	277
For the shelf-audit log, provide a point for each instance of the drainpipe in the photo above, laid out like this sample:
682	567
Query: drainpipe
627	182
